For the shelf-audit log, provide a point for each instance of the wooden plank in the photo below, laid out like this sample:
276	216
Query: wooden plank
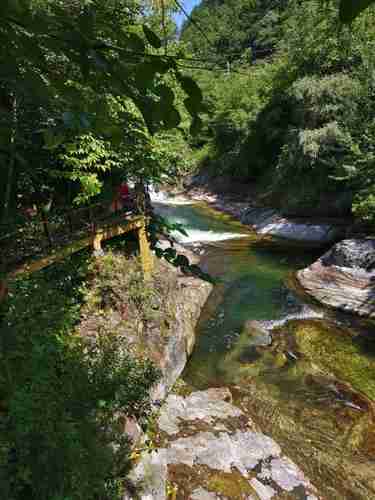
145	251
103	233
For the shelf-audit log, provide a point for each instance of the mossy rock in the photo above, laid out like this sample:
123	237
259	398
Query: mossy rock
336	351
232	485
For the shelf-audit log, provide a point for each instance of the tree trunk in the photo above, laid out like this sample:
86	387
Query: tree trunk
11	164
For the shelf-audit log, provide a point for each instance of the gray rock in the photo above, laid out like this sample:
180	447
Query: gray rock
344	277
267	221
191	295
353	254
133	430
201	494
246	451
203	405
284	473
263	491
243	450
259	336
150	476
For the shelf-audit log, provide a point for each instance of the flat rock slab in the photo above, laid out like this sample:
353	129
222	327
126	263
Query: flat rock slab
205	406
210	450
344	277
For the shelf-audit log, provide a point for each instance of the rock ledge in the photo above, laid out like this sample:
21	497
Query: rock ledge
344	277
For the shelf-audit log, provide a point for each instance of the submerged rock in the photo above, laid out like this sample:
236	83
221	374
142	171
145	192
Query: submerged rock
344	277
257	333
313	391
267	221
213	451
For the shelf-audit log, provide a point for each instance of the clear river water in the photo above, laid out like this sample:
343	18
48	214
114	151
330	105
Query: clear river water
305	375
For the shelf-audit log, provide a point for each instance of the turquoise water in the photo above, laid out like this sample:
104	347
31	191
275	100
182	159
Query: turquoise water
250	274
311	386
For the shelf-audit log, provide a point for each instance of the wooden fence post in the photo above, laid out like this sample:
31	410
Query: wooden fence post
145	251
46	229
3	290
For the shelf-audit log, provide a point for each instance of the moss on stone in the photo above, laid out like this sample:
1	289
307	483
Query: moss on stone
335	351
231	485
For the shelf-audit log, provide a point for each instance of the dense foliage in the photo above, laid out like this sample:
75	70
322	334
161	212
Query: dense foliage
64	396
293	115
84	87
93	92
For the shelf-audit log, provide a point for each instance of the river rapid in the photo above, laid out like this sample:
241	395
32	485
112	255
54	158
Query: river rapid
305	375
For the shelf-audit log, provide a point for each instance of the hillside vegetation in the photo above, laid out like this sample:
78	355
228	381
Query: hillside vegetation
293	114
96	93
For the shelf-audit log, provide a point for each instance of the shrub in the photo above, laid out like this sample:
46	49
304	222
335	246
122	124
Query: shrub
64	396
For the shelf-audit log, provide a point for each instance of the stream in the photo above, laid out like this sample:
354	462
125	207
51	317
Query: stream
305	375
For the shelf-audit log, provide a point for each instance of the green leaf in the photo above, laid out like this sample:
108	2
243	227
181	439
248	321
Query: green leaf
52	141
134	42
151	112
152	37
182	261
193	107
170	253
159	252
145	75
166	94
171	117
196	125
191	87
350	9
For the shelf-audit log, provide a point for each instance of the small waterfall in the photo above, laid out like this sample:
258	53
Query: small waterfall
166	204
163	198
198	236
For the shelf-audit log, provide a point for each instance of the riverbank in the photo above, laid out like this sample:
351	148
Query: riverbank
302	378
313	230
345	285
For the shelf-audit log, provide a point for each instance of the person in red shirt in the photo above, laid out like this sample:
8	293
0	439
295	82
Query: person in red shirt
123	192
122	198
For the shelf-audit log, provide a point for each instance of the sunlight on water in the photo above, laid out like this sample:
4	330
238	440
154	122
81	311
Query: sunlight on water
303	379
196	236
165	199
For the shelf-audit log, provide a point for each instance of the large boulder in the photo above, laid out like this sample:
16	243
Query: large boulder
170	352
267	221
344	277
155	319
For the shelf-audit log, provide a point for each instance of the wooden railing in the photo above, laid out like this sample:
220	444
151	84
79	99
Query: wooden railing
39	243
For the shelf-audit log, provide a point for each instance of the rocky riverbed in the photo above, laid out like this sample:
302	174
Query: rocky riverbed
271	222
303	393
209	449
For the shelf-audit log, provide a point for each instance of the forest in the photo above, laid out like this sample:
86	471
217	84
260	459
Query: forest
275	95
293	112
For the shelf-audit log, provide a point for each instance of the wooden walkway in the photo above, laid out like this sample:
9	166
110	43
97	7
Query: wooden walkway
46	242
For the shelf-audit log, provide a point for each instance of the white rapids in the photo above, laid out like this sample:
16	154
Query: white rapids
165	199
197	236
193	236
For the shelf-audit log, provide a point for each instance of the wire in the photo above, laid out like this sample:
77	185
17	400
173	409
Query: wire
213	69
190	59
168	56
201	30
194	22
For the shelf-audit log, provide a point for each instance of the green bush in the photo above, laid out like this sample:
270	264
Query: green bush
64	396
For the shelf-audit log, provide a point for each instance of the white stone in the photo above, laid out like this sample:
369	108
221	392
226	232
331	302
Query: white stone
263	491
